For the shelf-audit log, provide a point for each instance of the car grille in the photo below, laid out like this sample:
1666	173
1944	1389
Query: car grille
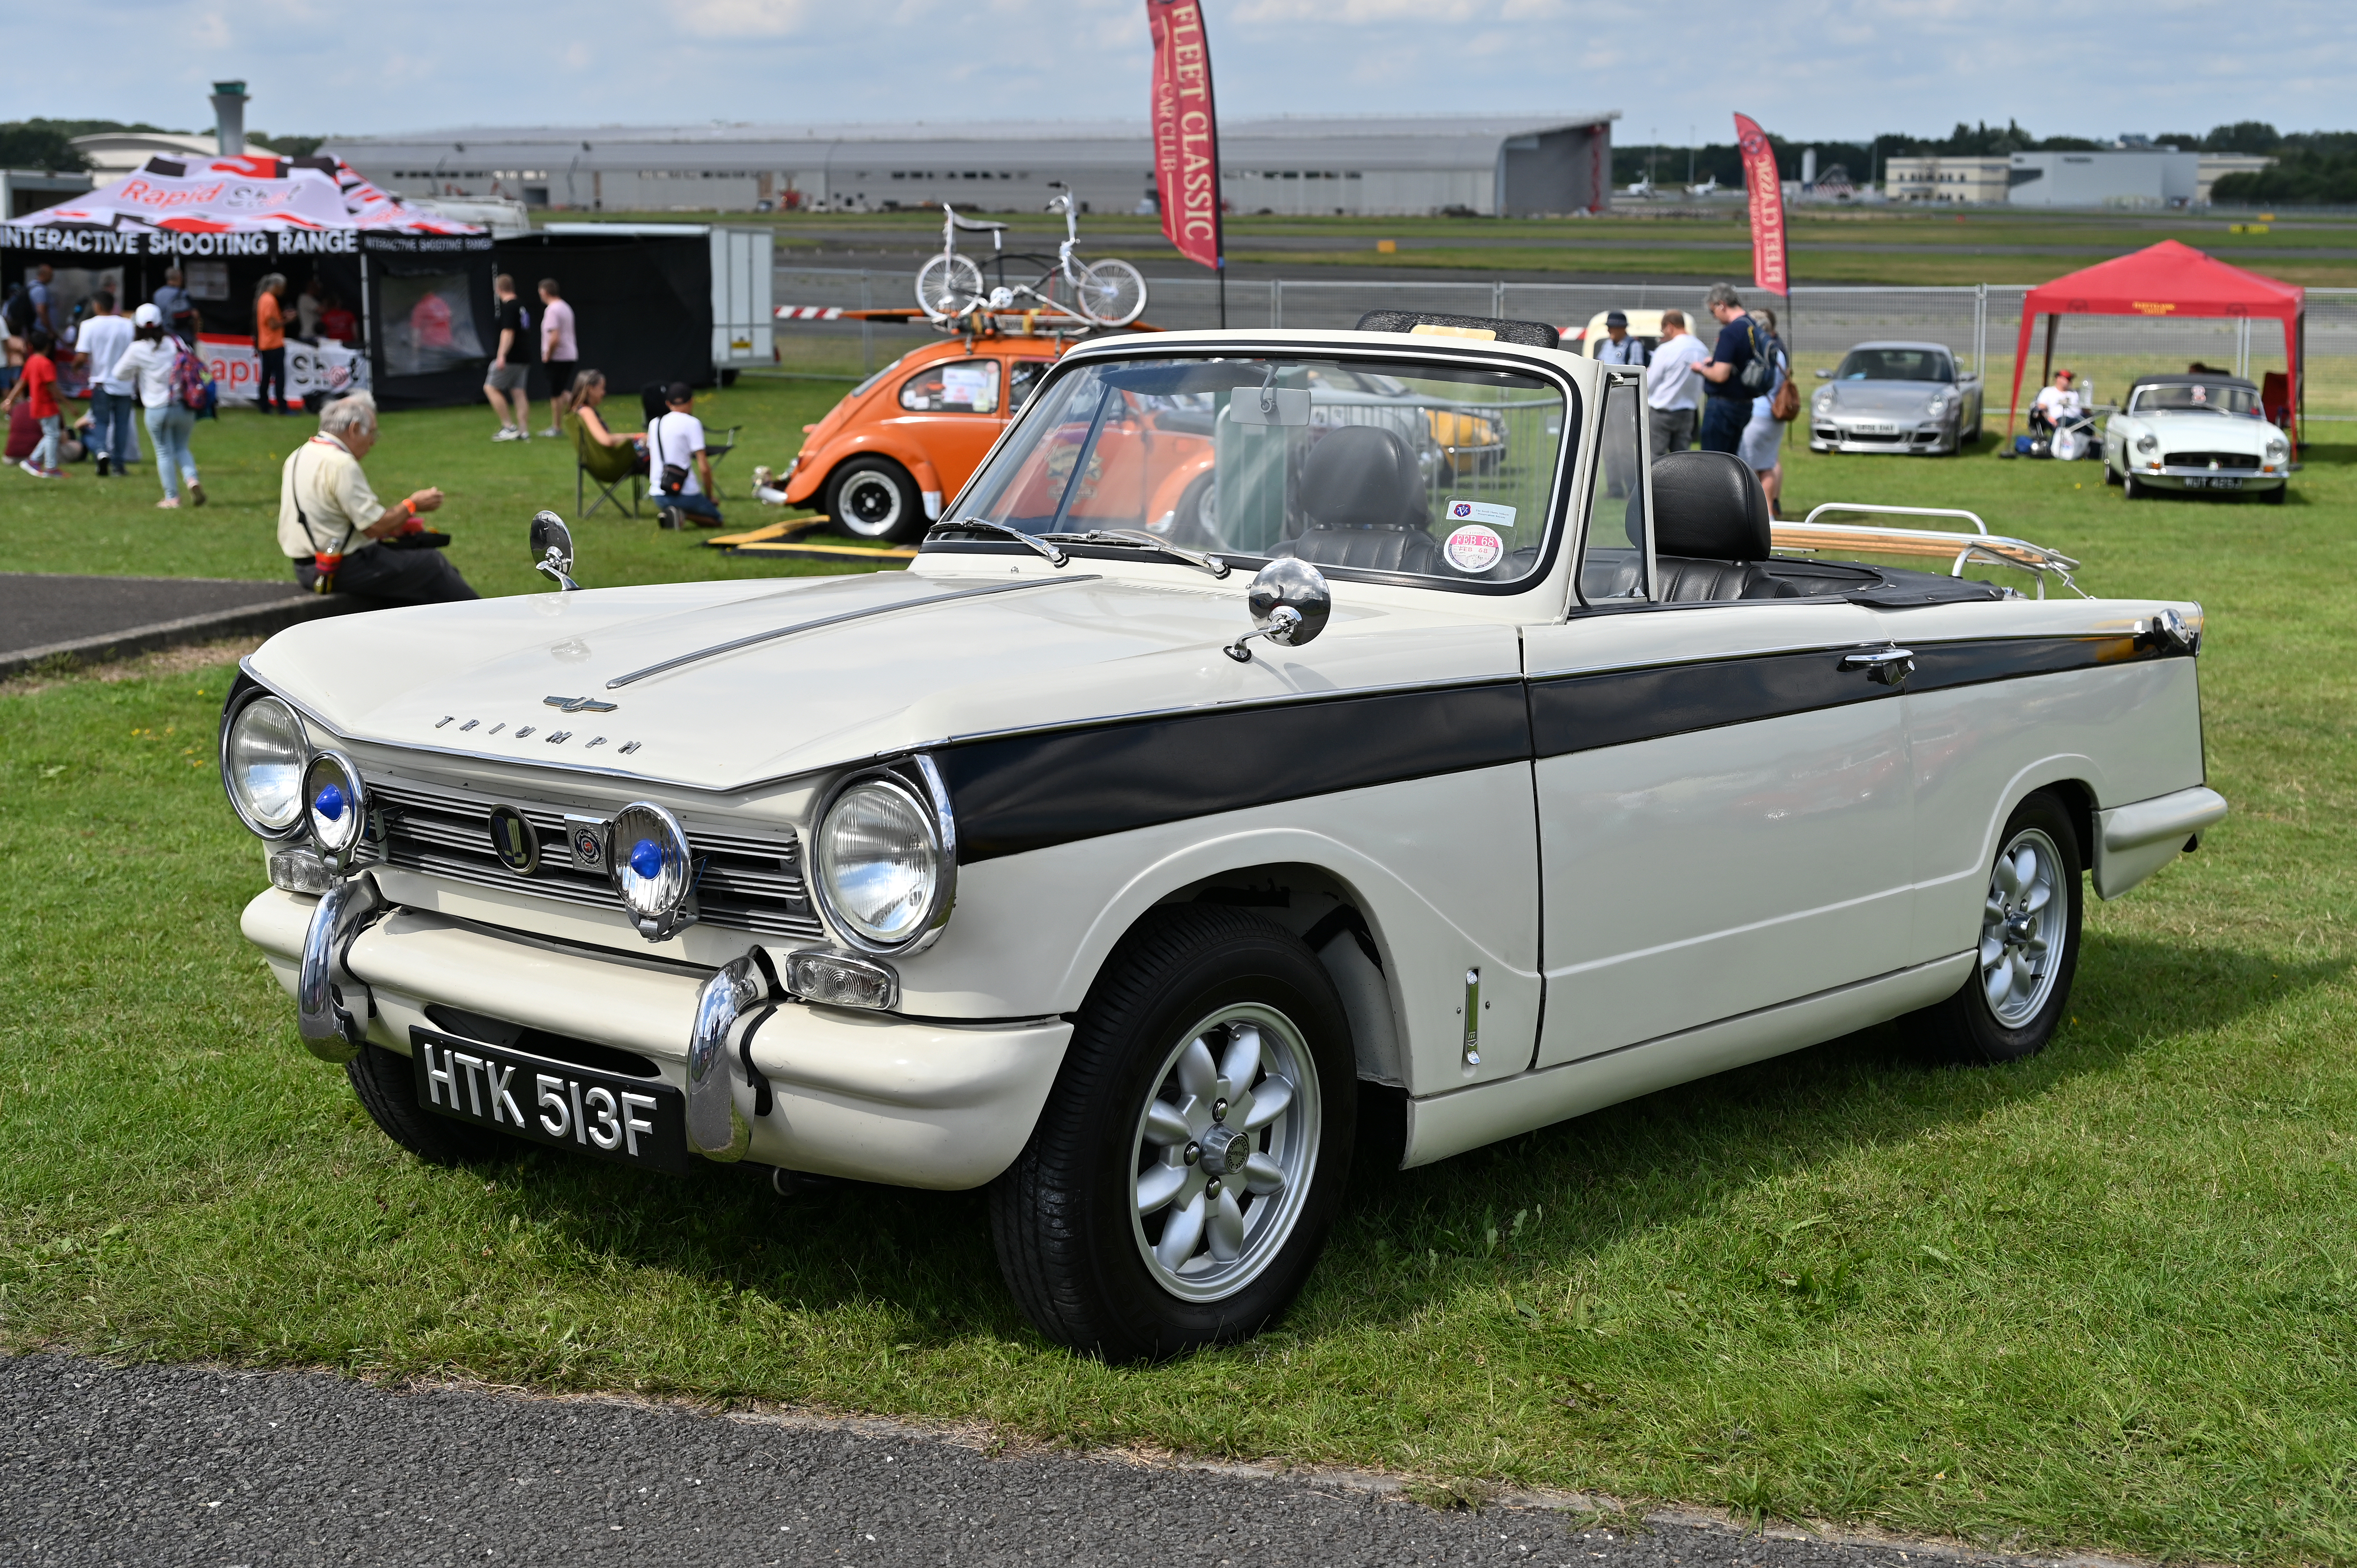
750	883
1886	436
2243	461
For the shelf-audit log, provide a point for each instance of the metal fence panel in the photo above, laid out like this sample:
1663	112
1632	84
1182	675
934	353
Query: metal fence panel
1978	324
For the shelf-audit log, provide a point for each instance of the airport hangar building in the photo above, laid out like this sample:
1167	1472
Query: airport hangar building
1512	165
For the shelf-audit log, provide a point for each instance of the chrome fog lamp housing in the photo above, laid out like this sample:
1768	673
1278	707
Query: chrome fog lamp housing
263	755
336	808
651	870
840	980
887	860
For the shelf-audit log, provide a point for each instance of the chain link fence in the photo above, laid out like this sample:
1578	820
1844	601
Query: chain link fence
1979	324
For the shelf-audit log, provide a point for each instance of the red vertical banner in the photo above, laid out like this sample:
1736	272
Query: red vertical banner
1766	188
1185	130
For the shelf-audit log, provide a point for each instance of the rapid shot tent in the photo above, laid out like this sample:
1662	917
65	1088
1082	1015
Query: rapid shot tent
2161	281
420	284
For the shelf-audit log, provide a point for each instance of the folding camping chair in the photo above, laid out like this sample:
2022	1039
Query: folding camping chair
606	467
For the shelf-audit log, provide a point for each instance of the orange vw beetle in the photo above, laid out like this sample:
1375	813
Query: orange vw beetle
909	436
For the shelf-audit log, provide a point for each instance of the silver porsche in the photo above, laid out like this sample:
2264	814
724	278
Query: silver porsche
1896	397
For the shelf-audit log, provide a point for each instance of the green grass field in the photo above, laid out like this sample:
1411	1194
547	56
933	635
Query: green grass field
2103	1299
1851	245
112	527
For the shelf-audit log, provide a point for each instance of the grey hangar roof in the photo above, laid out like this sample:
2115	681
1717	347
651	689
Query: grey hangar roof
1518	163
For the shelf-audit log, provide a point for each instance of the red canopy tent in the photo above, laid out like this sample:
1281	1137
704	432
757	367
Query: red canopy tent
2164	280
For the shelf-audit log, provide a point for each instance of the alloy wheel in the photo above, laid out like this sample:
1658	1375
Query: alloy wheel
2019	924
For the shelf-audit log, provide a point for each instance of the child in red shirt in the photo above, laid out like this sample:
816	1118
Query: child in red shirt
39	386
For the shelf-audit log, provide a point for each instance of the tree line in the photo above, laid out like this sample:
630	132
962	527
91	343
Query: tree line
48	144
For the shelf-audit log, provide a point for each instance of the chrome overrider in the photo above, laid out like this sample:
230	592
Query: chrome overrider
732	1005
331	1006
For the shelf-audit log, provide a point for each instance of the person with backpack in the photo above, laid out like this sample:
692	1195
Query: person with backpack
680	464
1739	368
171	387
1767	429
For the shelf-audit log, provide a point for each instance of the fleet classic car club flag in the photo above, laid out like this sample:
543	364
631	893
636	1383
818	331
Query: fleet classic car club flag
1185	130
1766	188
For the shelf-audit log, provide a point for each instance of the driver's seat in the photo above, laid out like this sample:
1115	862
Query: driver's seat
1365	500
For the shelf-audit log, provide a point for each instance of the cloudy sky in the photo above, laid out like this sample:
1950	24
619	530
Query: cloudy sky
1838	69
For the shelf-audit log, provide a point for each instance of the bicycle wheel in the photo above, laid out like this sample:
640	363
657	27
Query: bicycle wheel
949	285
1112	293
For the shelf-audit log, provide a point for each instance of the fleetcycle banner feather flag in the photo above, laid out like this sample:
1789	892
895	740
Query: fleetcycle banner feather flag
1185	130
1766	188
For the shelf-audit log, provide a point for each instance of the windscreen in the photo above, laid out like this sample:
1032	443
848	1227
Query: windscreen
1434	471
2199	397
1896	365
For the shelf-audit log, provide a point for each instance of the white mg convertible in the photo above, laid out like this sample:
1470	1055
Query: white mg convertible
2195	432
1136	882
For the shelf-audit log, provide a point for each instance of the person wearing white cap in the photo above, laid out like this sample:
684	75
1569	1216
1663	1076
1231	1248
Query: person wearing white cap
149	364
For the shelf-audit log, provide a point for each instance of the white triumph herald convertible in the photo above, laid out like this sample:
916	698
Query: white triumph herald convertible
1135	883
2195	432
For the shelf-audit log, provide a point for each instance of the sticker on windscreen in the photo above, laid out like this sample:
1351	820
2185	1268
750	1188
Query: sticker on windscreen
1471	548
1490	512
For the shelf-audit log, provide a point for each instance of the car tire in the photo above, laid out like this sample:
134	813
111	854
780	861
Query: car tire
875	498
386	1086
1195	520
2111	475
1111	1224
2135	492
2275	496
2013	1000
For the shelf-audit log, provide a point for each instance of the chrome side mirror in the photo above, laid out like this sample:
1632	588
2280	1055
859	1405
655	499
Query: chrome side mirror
1290	605
552	550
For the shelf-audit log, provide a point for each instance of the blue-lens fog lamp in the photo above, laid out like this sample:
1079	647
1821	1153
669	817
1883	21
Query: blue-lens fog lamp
653	870
334	807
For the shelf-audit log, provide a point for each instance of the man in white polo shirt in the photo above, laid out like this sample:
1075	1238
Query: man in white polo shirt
1672	387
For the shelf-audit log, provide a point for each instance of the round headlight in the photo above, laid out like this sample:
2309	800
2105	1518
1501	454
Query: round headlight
650	869
883	870
262	767
334	806
2147	442
2279	448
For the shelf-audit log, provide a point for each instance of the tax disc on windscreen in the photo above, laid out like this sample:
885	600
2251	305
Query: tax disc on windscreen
1472	548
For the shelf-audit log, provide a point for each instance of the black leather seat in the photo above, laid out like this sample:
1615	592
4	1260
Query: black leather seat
1365	500
1710	530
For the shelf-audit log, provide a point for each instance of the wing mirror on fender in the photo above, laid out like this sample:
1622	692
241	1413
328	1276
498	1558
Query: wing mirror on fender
552	550
1289	602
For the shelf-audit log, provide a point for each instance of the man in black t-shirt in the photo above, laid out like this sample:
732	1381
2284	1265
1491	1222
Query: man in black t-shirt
510	364
1727	402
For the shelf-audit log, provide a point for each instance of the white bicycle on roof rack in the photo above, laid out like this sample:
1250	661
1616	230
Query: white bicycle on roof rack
1108	293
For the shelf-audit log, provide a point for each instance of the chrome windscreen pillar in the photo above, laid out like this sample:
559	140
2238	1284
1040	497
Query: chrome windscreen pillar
331	1007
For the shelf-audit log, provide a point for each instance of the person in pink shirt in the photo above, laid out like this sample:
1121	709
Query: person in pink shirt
560	351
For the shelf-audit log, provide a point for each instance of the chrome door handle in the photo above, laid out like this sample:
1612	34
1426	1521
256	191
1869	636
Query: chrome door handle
1883	666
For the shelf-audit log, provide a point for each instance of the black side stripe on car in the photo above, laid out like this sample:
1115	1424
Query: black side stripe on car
1619	707
1018	793
1028	793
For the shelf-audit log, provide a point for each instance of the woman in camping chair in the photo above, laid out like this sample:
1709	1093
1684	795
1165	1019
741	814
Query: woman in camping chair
602	450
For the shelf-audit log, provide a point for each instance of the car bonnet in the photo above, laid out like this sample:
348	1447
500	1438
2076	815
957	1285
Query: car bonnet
868	666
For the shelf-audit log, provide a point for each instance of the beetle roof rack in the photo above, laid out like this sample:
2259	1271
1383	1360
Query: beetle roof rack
1488	329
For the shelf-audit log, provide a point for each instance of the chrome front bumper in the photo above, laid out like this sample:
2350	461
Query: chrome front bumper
869	1096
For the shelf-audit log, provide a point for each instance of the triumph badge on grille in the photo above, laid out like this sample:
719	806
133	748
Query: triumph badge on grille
588	836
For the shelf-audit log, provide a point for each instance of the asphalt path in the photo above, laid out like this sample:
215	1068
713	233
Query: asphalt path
38	609
156	1467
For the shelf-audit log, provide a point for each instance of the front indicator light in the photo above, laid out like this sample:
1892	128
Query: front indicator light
839	980
299	870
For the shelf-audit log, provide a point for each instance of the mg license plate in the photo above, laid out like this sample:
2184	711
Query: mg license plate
638	1121
2214	482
